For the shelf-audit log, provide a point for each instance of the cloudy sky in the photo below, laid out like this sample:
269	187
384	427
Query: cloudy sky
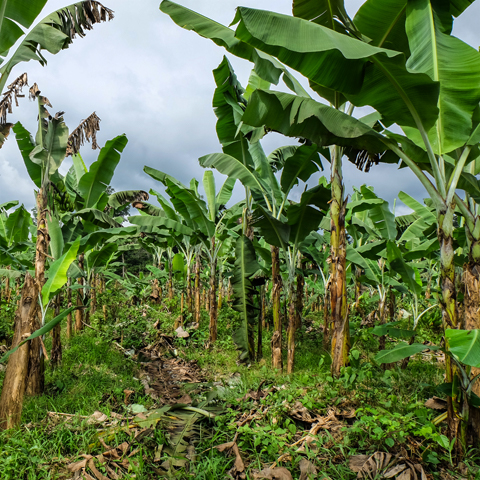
150	79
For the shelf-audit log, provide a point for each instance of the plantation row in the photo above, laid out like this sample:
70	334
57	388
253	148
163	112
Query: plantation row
269	253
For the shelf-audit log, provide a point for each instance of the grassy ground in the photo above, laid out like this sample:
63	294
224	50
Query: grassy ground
373	410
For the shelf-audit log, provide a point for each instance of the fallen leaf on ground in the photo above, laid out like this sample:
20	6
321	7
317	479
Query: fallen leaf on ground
239	465
436	403
385	466
97	417
181	333
307	469
277	473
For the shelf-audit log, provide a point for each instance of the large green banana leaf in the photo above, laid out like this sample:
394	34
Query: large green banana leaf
365	74
50	146
17	226
423	250
209	187
381	216
400	351
55	233
26	145
238	139
93	216
303	117
245	266
383	21
406	272
89	241
167	208
148	209
303	218
464	345
227	104
450	61
98	258
120	199
329	13
149	224
185	199
274	231
186	202
225	193
93	183
230	166
13	14
302	164
57	273
371	271
54	33
267	67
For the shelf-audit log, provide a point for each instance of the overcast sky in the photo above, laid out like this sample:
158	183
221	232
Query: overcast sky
152	80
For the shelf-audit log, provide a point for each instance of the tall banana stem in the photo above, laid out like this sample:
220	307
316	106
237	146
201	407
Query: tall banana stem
277	319
338	285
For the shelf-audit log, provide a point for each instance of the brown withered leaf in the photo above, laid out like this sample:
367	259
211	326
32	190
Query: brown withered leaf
233	447
187	399
276	473
308	470
73	467
86	131
436	403
93	468
356	462
382	465
181	333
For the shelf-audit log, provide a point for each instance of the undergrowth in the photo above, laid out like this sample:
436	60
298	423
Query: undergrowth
97	368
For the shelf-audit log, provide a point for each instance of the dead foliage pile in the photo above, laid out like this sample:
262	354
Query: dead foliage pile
177	422
385	465
164	377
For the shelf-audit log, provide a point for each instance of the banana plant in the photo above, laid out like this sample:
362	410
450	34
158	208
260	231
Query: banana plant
244	159
53	33
204	220
288	233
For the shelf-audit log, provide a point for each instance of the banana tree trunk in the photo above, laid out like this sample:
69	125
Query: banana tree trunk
338	285
299	297
197	289
155	291
263	307
189	289
382	310
170	282
79	311
295	309
93	294
69	304
56	353
292	327
213	296
36	367
261	324
229	291
277	361
15	382
448	303
220	290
